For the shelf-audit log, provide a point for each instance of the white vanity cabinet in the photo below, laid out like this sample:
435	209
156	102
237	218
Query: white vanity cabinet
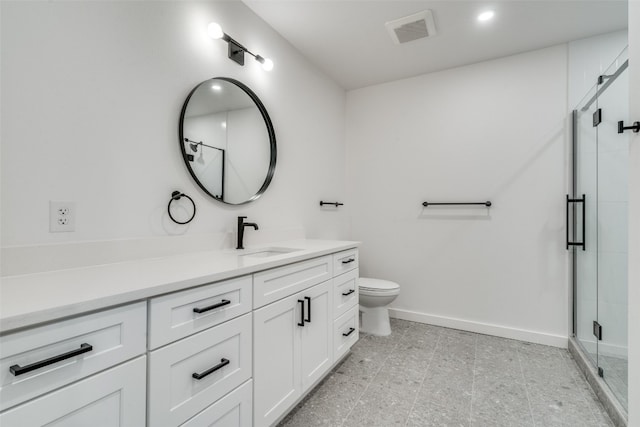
236	345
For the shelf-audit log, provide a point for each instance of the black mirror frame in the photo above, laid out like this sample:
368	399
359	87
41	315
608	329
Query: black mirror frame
270	130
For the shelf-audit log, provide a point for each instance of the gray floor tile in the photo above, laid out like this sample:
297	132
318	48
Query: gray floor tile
498	401
421	337
330	404
568	409
399	373
418	357
380	406
432	415
361	367
425	375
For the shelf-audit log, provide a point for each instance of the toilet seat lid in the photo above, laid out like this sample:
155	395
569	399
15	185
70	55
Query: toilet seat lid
368	283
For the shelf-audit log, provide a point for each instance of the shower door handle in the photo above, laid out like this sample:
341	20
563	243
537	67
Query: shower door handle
583	201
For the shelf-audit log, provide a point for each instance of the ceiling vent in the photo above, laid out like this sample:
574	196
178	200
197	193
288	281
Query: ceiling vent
413	27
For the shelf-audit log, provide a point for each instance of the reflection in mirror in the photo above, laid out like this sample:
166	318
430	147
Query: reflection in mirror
227	141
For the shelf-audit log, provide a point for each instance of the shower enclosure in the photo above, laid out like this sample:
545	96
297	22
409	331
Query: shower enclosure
597	225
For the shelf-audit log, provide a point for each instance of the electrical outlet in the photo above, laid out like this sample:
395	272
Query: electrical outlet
62	216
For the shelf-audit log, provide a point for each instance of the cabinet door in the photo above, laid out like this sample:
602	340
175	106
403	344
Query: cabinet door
276	375
316	344
113	398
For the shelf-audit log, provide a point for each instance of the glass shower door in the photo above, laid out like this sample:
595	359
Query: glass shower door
612	207
585	263
599	232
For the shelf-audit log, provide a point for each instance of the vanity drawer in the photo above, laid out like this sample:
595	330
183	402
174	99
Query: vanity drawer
69	350
346	331
233	410
277	283
112	398
175	316
345	261
345	292
220	355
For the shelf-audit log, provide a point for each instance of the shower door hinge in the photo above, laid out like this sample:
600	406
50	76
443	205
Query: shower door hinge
597	117
600	372
597	330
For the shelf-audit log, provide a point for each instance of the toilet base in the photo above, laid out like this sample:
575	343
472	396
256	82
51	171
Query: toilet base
375	321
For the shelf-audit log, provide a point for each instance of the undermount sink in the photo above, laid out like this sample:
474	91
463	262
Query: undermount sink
267	252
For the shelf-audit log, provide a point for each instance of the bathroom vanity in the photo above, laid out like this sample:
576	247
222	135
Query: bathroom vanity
206	338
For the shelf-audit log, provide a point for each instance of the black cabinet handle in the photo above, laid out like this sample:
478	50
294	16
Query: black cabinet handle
349	292
583	200
347	261
223	362
19	370
211	307
351	330
308	319
301	323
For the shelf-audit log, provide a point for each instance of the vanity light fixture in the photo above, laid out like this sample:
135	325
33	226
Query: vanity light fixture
237	50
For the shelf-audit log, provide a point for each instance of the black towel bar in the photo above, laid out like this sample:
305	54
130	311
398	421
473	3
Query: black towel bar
487	203
336	204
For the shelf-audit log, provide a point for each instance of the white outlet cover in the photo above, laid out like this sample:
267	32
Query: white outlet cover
62	216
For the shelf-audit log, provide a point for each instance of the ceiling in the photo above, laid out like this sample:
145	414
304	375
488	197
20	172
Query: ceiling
349	41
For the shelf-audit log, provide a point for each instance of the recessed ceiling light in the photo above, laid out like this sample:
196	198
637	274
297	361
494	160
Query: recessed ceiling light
486	16
216	87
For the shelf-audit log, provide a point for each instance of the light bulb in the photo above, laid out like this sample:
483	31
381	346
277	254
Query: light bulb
486	16
215	31
267	65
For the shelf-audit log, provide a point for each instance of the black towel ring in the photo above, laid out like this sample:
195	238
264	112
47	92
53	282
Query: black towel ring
176	195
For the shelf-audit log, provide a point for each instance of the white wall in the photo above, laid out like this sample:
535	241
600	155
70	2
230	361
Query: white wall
634	216
490	131
91	96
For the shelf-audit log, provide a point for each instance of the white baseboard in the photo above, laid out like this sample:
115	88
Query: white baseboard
481	328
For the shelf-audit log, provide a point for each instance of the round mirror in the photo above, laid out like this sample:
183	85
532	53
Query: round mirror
227	141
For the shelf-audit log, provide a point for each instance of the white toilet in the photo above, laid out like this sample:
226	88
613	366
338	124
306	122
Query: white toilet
375	295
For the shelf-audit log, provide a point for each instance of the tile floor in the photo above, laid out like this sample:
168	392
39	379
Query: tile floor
423	375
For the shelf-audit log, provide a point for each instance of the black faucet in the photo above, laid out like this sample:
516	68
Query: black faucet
241	226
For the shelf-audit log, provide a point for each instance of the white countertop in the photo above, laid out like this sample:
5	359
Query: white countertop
31	299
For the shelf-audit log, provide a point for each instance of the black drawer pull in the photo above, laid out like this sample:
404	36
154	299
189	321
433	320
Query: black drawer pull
308	319
19	370
301	323
223	362
351	330
347	261
349	292
211	307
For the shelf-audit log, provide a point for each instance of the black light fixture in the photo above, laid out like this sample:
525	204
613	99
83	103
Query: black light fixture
237	50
